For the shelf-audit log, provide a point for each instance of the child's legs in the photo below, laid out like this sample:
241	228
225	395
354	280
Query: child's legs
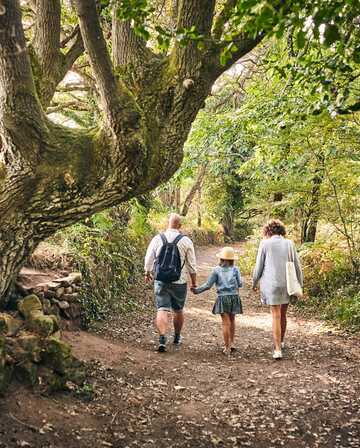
226	329
284	308
232	328
276	325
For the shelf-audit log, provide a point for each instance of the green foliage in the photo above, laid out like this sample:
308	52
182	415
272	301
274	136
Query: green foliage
326	267
144	16
344	308
109	256
323	41
248	256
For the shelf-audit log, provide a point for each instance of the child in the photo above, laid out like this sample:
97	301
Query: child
227	279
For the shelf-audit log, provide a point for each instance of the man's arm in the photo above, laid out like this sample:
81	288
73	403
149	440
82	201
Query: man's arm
193	280
150	259
190	261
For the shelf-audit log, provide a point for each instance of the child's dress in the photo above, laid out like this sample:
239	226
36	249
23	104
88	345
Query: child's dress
227	281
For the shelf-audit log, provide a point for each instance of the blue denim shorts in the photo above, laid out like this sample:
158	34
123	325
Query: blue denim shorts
170	296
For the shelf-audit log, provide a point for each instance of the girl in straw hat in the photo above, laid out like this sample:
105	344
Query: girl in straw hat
227	279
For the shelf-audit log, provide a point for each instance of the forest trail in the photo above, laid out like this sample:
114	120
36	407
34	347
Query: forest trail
194	396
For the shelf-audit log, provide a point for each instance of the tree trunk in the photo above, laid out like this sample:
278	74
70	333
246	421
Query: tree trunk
309	226
177	198
199	214
194	189
52	176
227	223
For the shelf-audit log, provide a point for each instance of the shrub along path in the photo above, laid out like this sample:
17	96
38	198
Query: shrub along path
194	396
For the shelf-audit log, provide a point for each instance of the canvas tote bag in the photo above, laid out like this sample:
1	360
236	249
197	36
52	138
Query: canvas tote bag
292	283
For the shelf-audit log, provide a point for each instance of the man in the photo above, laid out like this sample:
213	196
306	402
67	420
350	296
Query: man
170	297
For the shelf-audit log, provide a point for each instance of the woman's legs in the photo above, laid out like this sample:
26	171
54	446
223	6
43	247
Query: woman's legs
232	328
226	330
276	326
284	308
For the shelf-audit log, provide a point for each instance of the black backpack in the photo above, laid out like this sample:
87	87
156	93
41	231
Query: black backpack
168	262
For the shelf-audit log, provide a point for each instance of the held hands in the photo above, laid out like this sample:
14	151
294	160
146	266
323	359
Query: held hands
193	288
148	278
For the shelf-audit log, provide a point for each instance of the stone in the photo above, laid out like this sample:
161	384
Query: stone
49	294
9	326
63	305
68	290
74	311
71	297
57	355
27	372
42	287
46	306
41	324
53	286
5	369
29	304
76	277
65	281
50	381
59	292
26	347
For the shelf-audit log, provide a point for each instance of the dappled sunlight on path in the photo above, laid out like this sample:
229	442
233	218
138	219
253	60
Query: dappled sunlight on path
194	397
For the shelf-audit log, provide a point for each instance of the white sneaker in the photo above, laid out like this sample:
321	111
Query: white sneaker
277	354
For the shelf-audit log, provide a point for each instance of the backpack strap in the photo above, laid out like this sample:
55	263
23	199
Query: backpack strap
178	238
163	238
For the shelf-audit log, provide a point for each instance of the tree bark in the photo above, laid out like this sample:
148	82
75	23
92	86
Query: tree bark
49	64
309	226
194	189
227	222
199	214
52	176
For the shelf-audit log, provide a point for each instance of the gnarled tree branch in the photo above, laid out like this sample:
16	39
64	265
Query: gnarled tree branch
50	65
100	62
127	47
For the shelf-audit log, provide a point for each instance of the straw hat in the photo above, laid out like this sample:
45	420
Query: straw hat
227	253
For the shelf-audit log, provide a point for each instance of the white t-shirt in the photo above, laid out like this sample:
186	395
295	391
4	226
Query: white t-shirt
186	250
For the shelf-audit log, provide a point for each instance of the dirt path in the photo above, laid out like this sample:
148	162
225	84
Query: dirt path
194	396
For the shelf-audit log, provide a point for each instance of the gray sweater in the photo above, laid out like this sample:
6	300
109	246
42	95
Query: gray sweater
270	269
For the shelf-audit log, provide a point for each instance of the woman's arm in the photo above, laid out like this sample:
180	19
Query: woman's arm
260	263
299	272
209	283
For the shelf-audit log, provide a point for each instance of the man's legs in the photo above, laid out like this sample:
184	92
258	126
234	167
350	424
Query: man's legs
162	321
163	305
178	298
178	317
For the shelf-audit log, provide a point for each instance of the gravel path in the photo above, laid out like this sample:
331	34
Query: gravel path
194	396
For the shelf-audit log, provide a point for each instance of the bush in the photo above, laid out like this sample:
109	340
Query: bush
344	308
326	268
331	284
109	255
247	259
243	229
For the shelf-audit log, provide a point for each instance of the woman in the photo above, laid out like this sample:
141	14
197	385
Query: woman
273	253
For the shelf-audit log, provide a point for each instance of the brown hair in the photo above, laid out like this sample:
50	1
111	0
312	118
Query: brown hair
226	263
274	227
